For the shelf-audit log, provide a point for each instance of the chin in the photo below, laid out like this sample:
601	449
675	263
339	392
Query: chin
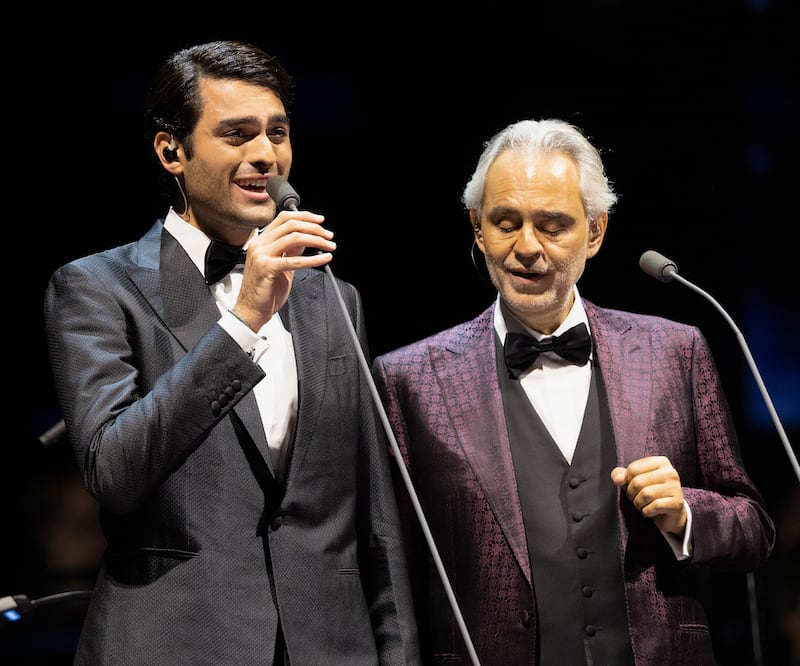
529	303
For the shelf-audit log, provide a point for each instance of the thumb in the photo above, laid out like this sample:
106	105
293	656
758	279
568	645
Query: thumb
619	475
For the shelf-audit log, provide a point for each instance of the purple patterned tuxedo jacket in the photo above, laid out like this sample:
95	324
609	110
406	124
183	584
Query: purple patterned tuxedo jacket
443	401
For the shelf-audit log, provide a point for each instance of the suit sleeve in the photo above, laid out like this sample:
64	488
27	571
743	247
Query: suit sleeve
731	527
135	402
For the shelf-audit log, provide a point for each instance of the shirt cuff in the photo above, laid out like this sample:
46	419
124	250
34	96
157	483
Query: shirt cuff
682	548
252	344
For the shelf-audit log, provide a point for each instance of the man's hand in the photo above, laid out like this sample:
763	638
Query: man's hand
273	257
654	487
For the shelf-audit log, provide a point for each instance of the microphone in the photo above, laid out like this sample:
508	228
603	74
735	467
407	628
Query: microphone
282	193
665	270
657	265
285	197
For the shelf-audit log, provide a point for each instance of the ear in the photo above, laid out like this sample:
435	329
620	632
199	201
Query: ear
168	152
475	221
597	232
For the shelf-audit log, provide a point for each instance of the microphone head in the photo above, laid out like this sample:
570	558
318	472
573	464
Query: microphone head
658	266
282	193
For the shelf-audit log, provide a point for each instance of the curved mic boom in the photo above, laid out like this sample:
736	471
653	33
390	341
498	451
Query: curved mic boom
661	268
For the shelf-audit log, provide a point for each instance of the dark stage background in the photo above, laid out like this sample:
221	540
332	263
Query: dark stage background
695	106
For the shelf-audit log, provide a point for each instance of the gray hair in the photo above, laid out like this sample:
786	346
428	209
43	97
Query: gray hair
547	136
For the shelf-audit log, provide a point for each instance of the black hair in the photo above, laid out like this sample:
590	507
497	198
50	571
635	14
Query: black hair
173	103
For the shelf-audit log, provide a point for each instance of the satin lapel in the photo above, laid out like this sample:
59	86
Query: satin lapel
305	317
476	411
247	411
181	298
189	307
173	286
623	352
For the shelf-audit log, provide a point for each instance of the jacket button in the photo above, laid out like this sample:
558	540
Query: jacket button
216	409
526	619
590	630
582	553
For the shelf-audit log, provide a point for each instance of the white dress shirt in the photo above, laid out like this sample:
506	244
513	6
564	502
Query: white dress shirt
558	390
271	347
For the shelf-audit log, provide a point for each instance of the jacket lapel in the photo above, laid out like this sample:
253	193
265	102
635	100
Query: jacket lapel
478	418
309	328
622	352
174	287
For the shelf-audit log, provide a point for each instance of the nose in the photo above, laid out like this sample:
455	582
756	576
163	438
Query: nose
260	150
527	242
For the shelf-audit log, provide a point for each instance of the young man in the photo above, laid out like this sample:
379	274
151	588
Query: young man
220	418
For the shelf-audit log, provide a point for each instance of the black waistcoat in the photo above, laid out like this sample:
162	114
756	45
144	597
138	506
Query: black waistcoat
569	512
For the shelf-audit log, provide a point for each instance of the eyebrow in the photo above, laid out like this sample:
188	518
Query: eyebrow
500	211
274	119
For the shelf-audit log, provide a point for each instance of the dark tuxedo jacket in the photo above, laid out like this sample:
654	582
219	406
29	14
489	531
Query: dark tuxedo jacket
207	552
444	403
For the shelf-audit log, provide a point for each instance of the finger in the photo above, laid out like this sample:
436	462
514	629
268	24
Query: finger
661	476
648	464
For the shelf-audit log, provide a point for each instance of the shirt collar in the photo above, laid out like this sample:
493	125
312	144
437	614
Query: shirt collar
191	239
504	320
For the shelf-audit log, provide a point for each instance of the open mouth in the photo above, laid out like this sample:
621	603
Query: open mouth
523	275
254	185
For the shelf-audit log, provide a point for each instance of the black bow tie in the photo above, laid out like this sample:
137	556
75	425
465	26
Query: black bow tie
221	259
521	350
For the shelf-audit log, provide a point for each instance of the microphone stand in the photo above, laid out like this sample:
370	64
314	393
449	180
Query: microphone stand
367	371
665	270
285	198
753	368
